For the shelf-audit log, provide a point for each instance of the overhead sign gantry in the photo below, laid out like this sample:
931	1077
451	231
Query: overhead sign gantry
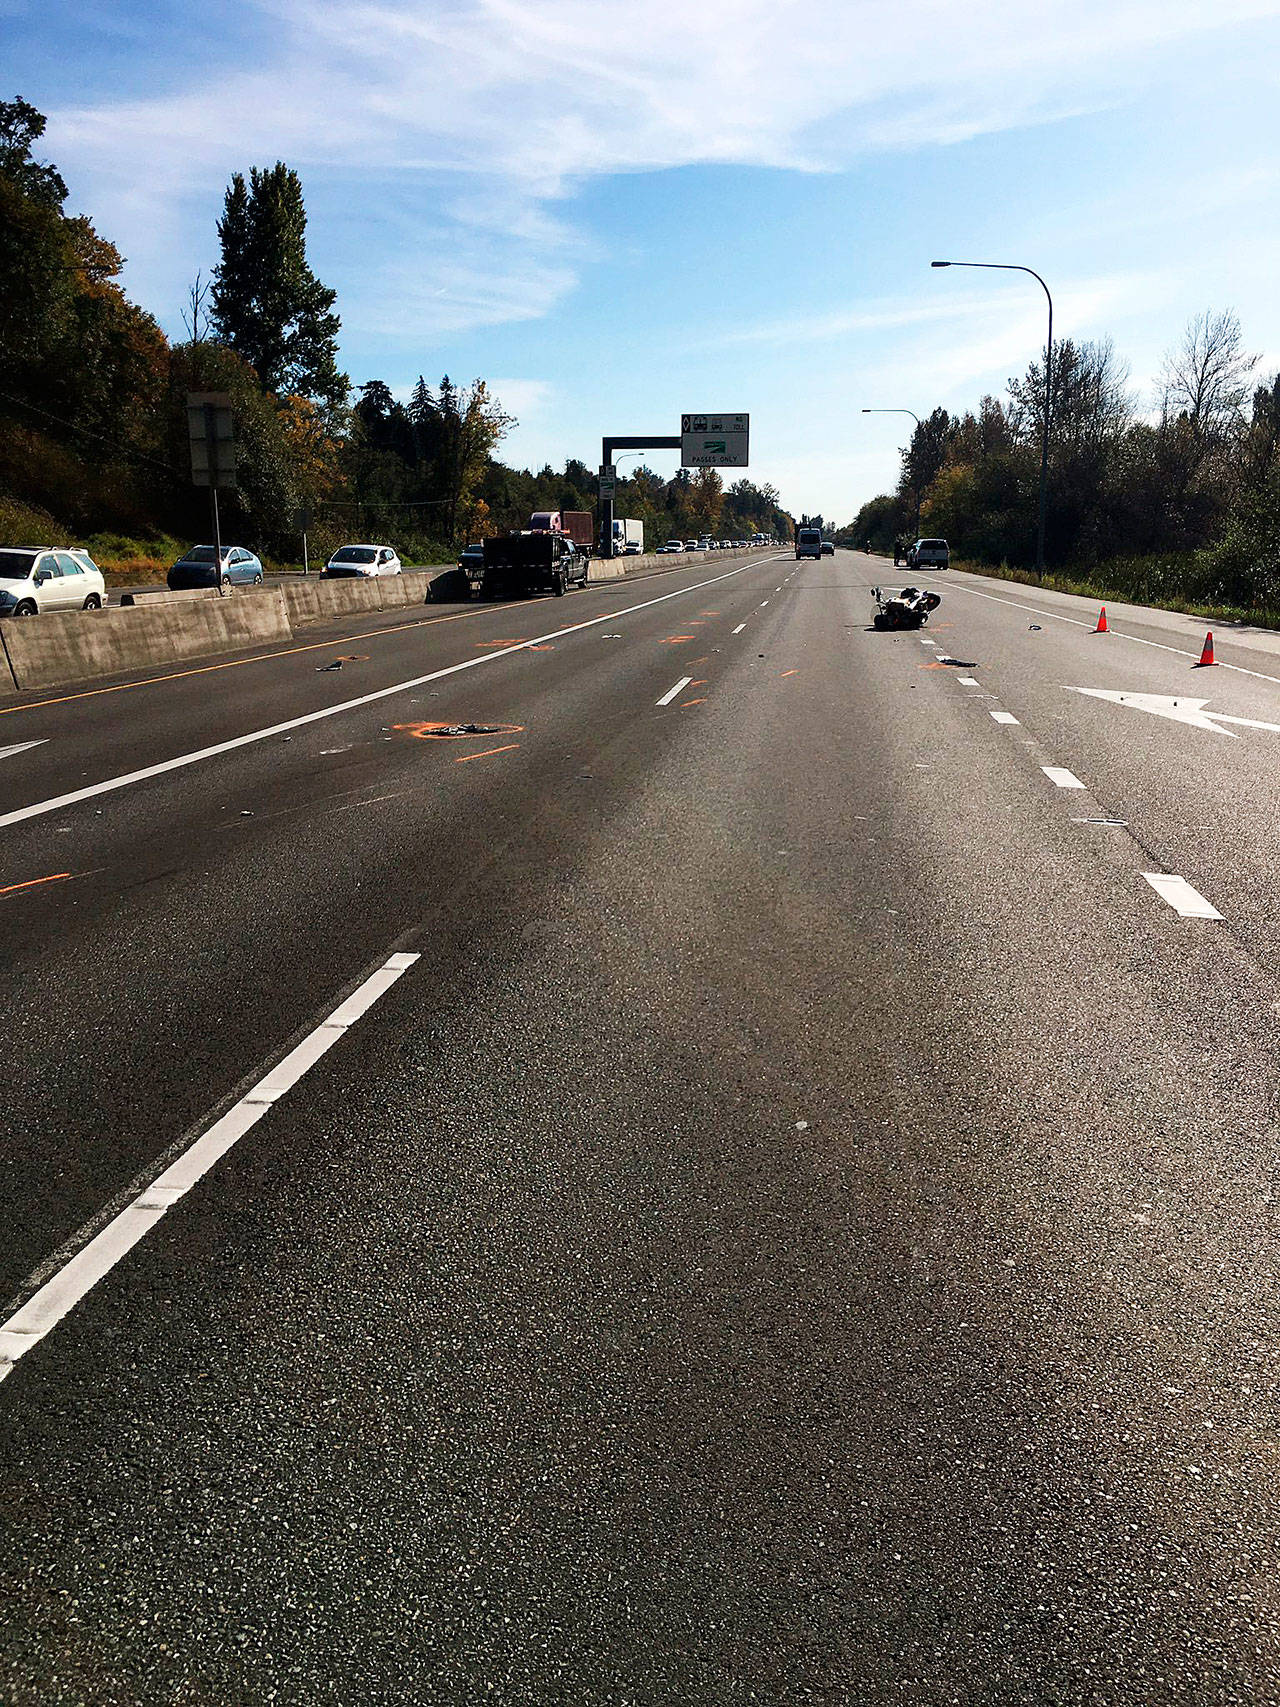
705	440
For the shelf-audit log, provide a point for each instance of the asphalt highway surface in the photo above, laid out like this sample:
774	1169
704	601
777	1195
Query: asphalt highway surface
661	1146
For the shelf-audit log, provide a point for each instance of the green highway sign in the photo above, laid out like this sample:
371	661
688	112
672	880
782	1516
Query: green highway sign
714	441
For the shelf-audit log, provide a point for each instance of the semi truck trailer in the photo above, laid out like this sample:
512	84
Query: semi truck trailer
573	524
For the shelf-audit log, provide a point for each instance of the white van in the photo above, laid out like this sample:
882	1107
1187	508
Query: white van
808	542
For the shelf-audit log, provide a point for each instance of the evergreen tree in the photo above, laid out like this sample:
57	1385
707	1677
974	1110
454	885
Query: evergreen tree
267	303
20	126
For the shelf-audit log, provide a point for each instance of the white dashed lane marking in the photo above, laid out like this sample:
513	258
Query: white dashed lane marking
1187	902
739	628
1004	717
1063	778
967	681
20	747
679	688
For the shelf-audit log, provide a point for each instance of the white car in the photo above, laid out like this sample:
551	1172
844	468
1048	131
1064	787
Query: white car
361	560
36	578
671	548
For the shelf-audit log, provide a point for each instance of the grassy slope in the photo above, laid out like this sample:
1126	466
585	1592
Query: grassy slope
1117	582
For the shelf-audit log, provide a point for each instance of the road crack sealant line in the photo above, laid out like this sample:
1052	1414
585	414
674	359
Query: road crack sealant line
96	1253
94	790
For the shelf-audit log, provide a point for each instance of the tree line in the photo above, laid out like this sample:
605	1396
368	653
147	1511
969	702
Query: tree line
93	429
1182	498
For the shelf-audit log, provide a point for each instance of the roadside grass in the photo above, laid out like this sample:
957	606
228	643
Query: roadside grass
1136	581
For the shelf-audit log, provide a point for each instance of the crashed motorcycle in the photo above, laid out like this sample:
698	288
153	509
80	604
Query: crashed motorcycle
907	607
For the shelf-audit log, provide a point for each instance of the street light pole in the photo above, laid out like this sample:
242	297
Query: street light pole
1009	267
918	423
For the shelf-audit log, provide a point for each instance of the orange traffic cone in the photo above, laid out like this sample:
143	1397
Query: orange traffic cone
1206	655
1102	621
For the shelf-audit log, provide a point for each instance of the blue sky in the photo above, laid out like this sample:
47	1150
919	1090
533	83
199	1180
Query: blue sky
617	210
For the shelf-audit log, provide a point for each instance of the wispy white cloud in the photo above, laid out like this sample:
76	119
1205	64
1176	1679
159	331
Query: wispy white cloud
495	110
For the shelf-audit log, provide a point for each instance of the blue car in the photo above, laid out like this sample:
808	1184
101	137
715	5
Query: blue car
196	568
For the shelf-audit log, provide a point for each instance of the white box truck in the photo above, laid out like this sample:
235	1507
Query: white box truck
628	537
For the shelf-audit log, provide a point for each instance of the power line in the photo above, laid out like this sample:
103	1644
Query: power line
88	433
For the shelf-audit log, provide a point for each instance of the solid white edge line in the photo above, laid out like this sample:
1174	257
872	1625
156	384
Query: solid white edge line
1060	777
38	808
679	688
1187	902
1003	717
1076	622
46	1307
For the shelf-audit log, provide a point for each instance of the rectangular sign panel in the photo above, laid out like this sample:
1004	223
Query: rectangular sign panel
714	441
212	433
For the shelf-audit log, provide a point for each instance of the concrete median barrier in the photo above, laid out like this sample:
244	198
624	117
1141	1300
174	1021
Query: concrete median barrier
164	596
610	568
312	600
71	646
448	585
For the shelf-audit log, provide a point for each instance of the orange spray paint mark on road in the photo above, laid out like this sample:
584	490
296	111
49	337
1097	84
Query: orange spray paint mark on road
516	642
35	882
685	704
466	758
676	639
539	648
455	731
786	673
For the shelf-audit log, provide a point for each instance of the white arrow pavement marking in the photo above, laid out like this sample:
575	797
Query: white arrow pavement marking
1179	710
20	747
